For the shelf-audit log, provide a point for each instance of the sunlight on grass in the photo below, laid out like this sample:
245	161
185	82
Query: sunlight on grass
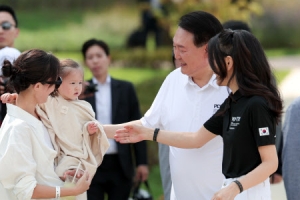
281	74
157	192
137	75
133	74
282	52
67	31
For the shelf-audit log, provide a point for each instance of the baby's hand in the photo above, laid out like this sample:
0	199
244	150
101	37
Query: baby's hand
92	128
9	98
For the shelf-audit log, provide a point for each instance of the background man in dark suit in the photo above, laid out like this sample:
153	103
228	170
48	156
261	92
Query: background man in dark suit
114	102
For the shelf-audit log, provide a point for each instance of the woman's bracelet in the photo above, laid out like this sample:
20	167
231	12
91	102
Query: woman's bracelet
57	193
155	134
239	185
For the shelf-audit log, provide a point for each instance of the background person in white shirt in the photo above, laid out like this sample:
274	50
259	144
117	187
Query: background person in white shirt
188	97
9	31
8	53
26	152
11	54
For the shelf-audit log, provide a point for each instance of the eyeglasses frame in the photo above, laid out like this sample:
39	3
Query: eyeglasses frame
7	28
57	83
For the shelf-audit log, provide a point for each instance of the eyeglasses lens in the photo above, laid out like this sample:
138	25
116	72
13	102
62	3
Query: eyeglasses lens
6	25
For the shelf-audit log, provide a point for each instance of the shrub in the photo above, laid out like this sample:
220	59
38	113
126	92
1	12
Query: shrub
279	26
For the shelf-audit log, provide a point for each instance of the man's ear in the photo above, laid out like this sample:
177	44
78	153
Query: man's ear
229	63
109	58
17	32
205	51
206	48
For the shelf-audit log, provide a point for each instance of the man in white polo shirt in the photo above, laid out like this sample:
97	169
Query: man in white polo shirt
188	97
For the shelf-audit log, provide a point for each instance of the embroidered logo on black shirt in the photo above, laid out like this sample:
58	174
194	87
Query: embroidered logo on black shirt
235	121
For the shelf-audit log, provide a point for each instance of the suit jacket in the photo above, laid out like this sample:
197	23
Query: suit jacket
125	108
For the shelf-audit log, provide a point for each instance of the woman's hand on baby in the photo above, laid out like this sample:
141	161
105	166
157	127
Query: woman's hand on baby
92	128
9	98
83	183
72	172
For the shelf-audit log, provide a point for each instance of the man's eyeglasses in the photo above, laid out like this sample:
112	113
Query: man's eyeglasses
57	83
6	25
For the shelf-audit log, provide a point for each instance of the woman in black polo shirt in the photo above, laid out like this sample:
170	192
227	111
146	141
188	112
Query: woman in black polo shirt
246	119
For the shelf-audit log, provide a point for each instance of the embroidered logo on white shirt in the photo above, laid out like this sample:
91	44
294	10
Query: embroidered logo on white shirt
264	131
216	108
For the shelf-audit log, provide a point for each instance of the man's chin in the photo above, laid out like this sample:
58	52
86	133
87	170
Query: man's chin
183	69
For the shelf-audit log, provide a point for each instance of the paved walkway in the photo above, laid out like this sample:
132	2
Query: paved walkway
285	62
289	89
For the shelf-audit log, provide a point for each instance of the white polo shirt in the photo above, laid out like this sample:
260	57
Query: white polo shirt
181	105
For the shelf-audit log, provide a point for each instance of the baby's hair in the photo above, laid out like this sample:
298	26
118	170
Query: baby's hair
66	66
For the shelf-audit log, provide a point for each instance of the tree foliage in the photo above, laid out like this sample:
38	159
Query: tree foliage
223	9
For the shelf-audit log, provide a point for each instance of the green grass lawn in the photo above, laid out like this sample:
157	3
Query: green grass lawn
282	52
66	30
280	75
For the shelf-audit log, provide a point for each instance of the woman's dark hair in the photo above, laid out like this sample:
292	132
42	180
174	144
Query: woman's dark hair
31	67
202	25
250	66
93	42
236	25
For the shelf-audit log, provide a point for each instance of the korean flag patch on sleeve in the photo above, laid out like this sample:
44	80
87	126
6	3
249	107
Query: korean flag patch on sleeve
264	131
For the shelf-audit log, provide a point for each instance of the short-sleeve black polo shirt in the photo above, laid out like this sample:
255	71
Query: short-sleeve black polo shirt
245	126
